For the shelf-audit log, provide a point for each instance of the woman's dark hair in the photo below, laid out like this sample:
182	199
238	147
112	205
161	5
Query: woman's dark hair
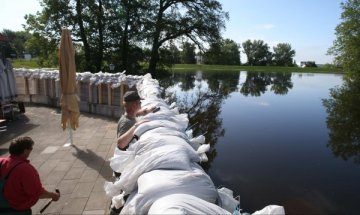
18	145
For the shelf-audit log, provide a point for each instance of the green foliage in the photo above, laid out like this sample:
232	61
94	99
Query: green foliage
198	20
188	53
223	52
225	68
283	54
343	120
257	53
346	45
22	63
112	31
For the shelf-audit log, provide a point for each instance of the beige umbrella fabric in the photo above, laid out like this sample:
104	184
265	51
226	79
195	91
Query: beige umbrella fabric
69	98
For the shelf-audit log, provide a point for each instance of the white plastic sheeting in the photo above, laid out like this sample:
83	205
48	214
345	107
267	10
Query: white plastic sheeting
184	204
7	81
160	171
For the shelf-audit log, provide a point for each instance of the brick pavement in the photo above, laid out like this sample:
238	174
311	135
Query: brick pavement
78	171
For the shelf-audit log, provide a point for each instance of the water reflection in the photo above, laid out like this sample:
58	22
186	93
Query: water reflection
276	153
202	100
202	94
343	120
257	83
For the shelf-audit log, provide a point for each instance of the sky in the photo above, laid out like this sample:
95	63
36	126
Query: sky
307	25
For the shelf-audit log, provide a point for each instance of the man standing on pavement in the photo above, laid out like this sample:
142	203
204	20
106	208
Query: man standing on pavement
22	188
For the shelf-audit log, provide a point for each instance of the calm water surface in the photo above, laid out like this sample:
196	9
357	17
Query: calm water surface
273	139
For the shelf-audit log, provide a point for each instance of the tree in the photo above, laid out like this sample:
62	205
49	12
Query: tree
257	52
346	45
213	54
343	119
197	20
102	28
44	49
17	41
188	53
223	52
283	54
112	29
230	52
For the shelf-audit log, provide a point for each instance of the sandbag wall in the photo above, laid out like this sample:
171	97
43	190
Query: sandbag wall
99	93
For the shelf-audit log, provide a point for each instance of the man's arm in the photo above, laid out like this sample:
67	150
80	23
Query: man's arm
124	139
145	111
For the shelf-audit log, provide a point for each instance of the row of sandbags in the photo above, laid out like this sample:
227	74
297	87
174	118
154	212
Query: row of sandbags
161	172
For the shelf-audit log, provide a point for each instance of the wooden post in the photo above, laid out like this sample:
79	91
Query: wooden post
109	95
27	92
90	92
121	94
99	94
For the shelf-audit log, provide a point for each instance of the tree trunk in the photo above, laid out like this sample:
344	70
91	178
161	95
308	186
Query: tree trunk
83	37
125	43
154	58
155	47
99	57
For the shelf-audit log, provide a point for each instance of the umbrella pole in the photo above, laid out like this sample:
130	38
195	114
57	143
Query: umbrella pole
71	135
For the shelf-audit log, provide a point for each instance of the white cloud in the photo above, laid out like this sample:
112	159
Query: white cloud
268	26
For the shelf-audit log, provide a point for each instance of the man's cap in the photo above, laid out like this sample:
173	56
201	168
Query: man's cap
131	96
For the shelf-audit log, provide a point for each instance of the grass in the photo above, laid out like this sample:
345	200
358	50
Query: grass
325	69
21	63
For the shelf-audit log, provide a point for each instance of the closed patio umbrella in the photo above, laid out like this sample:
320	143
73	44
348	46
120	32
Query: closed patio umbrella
69	99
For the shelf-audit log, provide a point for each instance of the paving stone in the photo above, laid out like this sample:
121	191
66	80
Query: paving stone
89	175
99	184
54	177
82	189
94	212
103	148
74	206
97	201
50	150
67	186
74	173
64	165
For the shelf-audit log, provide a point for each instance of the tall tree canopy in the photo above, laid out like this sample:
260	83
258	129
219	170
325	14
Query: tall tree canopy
283	54
114	30
257	52
346	45
198	20
223	52
188	53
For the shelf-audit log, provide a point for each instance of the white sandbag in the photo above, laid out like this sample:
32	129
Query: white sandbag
118	201
147	143
227	200
159	183
201	152
199	139
142	128
163	131
181	120
184	204
271	210
203	148
121	159
163	157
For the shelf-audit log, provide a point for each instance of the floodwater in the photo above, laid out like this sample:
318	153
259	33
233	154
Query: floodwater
277	138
